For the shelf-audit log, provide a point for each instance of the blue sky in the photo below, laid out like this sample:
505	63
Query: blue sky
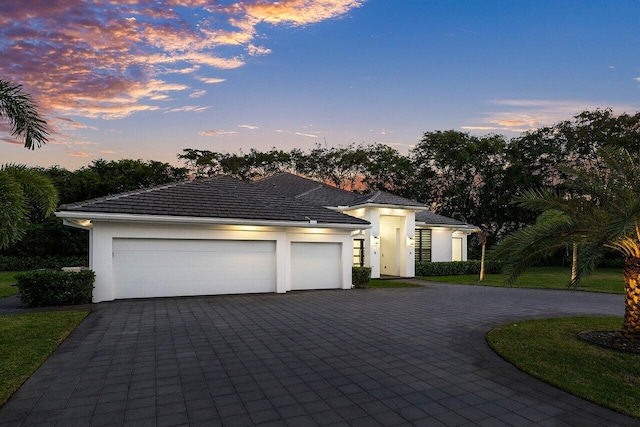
149	79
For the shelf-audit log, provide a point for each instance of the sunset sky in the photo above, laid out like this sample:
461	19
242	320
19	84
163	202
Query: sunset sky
144	79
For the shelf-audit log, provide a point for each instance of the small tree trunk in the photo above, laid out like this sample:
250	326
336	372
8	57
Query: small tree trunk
482	258
574	265
631	324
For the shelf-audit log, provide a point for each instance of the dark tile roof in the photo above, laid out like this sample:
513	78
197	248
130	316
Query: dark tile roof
217	197
435	219
306	189
384	198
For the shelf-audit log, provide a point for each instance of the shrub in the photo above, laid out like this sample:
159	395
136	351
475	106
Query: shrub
456	268
360	276
42	288
15	263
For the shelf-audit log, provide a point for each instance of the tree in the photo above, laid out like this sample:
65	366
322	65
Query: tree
20	111
462	176
25	195
600	209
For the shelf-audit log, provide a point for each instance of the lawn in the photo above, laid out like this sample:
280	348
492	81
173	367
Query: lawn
602	280
6	282
548	349
26	340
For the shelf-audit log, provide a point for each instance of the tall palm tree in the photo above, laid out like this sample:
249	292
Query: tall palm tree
600	210
25	193
20	111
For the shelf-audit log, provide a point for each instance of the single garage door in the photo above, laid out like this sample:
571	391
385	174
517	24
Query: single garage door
316	266
165	267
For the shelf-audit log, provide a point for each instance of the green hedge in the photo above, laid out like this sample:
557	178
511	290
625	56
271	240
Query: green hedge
15	263
456	268
360	276
44	288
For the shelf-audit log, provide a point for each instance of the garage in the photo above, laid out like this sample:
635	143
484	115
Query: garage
145	268
316	265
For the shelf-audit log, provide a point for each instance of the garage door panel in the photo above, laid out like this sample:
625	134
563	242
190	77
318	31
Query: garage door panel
316	265
165	267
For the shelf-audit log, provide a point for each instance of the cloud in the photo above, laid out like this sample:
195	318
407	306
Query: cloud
308	135
521	115
250	127
12	141
210	80
82	154
107	152
197	93
109	59
637	79
188	108
217	133
257	50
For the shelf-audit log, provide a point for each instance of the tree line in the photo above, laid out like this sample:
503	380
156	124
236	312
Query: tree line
466	177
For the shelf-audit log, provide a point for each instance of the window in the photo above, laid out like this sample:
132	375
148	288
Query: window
358	252
423	245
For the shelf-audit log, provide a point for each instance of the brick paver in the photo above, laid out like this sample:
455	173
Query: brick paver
387	357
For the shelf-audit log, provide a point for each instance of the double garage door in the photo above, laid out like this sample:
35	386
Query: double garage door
173	267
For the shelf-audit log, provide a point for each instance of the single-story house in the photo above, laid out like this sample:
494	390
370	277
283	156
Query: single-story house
224	236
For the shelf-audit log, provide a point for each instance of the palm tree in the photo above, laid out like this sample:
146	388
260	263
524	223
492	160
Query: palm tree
599	210
25	193
19	110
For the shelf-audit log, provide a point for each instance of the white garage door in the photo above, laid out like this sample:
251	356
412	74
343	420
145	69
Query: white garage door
164	267
316	266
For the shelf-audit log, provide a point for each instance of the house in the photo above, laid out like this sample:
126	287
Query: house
402	231
224	236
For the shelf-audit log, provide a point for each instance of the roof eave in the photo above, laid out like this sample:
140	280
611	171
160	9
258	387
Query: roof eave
82	220
467	227
378	205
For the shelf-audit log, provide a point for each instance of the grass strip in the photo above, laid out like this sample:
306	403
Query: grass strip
26	340
607	280
7	279
549	350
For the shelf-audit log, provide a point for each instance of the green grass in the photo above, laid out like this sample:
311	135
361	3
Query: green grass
602	280
6	282
379	283
26	340
549	350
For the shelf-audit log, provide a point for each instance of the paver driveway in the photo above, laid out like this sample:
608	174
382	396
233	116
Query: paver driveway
412	356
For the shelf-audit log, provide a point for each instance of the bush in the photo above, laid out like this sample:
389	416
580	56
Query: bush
15	263
456	268
360	276
43	288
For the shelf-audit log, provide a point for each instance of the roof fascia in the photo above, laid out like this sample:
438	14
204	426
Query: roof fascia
378	205
78	218
465	227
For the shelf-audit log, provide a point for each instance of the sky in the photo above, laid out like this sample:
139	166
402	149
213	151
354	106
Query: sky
145	79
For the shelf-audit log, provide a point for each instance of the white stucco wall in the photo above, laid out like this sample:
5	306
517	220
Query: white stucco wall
441	244
103	233
384	222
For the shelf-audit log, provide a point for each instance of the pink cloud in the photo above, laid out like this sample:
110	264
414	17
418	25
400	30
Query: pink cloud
109	59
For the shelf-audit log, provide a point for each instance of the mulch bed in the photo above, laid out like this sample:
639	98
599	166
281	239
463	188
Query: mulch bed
609	339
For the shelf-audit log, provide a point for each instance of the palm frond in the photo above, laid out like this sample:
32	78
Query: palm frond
14	216
39	192
20	111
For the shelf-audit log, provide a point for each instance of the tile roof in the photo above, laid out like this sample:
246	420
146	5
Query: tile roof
435	219
217	197
306	189
384	198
